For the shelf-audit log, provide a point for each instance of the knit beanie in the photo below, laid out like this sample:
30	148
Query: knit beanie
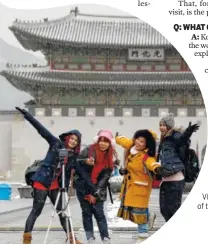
168	120
107	134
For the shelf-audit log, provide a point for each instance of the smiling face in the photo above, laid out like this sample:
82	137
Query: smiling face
73	141
140	143
163	129
104	144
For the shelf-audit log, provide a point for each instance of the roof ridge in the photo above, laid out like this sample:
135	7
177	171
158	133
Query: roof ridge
108	16
41	21
70	15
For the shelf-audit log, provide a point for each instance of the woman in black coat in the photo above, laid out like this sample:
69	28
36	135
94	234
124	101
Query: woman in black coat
47	179
98	167
170	153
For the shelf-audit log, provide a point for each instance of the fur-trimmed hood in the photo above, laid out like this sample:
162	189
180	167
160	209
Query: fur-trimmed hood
174	130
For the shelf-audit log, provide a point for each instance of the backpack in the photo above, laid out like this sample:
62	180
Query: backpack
31	170
191	164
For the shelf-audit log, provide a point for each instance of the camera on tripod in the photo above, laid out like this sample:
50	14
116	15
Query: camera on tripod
64	154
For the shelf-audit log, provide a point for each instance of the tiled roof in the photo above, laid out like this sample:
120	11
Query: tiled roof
89	30
44	77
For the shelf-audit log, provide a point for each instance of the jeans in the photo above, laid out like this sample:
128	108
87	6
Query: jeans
143	228
38	204
170	197
88	210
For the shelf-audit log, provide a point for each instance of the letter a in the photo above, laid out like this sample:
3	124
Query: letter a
194	37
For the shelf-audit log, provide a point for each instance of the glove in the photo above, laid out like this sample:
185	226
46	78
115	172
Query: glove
90	198
163	172
97	194
192	128
22	111
123	171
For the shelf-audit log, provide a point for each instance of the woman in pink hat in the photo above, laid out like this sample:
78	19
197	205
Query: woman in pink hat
98	165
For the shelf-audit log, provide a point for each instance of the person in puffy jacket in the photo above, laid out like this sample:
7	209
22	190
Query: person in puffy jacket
98	167
140	161
47	179
172	142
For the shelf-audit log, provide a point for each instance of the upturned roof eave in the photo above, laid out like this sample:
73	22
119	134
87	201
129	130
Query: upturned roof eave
21	81
22	31
28	45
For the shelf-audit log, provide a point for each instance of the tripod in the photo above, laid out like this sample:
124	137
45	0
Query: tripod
65	210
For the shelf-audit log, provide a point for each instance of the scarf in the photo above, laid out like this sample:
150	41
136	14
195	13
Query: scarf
133	151
103	159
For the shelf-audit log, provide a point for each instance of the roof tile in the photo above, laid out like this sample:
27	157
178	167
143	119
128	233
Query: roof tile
77	30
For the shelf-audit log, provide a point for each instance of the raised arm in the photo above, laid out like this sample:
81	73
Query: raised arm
182	138
124	142
38	126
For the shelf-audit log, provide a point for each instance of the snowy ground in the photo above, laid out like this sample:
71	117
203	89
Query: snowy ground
111	210
114	221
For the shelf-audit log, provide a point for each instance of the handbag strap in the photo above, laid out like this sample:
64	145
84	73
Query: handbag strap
145	166
115	154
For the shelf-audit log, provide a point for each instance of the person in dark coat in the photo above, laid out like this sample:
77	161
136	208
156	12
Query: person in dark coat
203	154
98	167
47	179
172	142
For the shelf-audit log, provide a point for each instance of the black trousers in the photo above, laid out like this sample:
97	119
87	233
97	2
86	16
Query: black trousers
170	197
96	210
40	197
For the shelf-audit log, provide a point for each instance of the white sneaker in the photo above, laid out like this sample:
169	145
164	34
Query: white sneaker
106	240
91	241
143	235
152	217
140	240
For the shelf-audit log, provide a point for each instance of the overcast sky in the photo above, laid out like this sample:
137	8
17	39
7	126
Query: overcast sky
8	15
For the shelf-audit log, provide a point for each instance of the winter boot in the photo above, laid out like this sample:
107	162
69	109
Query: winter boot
71	239
27	238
